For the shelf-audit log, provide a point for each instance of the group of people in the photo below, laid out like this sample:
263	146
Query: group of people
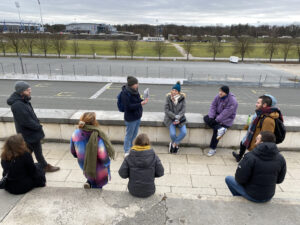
255	179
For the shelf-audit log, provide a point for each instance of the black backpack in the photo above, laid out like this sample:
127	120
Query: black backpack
279	130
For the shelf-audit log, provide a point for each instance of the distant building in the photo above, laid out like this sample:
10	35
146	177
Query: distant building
90	28
19	27
153	39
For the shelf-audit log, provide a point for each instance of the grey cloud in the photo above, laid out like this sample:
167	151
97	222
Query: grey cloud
189	12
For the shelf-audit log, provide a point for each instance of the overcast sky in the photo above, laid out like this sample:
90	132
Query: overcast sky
186	12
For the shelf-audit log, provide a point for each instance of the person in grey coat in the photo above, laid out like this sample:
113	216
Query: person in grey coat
141	166
175	116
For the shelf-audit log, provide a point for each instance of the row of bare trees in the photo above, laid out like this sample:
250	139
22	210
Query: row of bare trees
243	46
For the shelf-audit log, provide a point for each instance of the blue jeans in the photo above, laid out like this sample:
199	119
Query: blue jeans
238	190
132	129
176	139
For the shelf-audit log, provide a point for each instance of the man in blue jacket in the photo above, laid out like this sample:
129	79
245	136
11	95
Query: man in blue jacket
27	123
133	111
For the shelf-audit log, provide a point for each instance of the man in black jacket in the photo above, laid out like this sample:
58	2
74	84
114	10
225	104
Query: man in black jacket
27	123
133	111
259	171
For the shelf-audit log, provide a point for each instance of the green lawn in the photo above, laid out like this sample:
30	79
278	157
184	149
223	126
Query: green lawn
146	49
201	50
103	48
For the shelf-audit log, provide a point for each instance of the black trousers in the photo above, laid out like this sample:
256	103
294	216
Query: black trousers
212	123
38	152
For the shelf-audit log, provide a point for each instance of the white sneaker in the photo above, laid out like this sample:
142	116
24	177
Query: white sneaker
221	132
170	147
211	152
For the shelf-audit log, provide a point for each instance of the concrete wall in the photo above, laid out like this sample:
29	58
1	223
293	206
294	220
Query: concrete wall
60	124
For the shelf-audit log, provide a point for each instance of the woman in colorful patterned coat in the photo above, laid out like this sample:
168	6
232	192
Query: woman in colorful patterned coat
93	150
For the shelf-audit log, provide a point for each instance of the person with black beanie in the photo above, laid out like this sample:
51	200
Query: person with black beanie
133	111
221	115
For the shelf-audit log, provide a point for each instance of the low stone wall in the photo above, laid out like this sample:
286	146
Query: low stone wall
60	124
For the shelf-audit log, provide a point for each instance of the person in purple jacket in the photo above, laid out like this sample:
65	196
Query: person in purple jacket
221	115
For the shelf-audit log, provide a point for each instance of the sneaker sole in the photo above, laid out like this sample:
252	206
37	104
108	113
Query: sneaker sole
86	186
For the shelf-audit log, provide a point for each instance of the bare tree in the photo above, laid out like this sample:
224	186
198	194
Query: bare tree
286	47
242	46
271	48
159	47
75	47
115	47
29	43
93	50
15	42
59	43
131	47
188	46
3	44
298	49
44	43
215	47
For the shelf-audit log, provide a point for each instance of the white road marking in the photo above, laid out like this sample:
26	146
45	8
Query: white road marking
98	93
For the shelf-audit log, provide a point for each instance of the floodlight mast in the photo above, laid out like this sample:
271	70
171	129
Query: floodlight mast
42	29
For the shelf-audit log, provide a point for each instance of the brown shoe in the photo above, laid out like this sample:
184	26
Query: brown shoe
49	168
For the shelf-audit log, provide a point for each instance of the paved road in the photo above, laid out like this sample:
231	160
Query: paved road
173	69
75	95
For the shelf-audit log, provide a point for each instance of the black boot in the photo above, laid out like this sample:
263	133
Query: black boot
237	157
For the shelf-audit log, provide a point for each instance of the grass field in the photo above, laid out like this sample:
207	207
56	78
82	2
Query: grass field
103	48
146	49
201	50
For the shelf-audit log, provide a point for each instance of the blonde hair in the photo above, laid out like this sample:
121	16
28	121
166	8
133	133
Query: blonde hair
88	118
142	140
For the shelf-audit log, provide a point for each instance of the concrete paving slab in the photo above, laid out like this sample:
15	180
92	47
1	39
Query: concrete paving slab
196	159
186	169
59	206
216	211
7	202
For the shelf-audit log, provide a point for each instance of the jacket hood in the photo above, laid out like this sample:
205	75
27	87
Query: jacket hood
14	98
274	115
182	95
266	151
142	159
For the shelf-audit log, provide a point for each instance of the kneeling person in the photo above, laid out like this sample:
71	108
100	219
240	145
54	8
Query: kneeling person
141	166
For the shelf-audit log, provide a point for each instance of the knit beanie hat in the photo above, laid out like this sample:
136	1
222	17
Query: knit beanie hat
274	100
131	81
177	86
21	86
225	89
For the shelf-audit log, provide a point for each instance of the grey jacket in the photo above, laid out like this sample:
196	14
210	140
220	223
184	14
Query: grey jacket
171	110
141	167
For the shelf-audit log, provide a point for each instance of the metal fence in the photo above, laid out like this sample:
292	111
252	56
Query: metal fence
190	75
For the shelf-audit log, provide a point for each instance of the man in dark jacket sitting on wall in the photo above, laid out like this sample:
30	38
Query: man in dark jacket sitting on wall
259	171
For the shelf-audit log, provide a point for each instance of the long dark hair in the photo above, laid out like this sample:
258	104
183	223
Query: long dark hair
13	147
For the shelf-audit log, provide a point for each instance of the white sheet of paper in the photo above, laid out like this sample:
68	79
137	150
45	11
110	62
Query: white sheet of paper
146	93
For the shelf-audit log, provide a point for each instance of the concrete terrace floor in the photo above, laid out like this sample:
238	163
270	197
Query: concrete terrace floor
190	172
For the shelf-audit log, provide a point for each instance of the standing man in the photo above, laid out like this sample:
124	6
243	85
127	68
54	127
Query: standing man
133	111
264	121
27	123
221	115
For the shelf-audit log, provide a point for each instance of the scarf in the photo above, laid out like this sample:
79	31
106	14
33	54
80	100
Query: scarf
260	114
139	148
175	99
90	160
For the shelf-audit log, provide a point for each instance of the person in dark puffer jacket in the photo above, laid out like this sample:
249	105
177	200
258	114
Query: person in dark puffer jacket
259	171
27	123
141	166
